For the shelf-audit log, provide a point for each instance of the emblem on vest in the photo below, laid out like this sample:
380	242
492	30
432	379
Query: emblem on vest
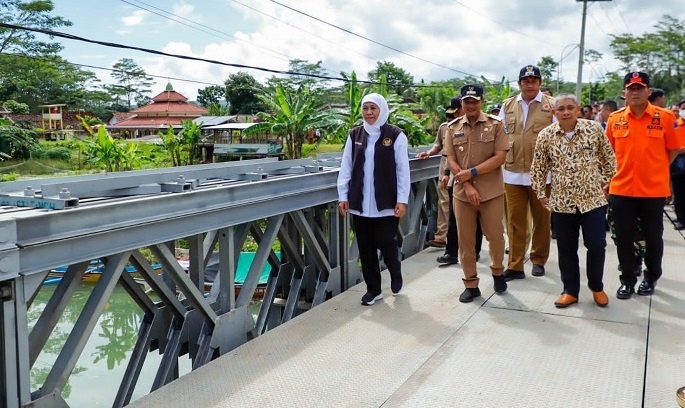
546	107
387	142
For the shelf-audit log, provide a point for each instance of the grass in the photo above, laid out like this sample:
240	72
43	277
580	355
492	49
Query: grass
311	150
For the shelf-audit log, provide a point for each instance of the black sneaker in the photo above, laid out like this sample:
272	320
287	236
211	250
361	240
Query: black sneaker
500	283
511	274
369	298
469	294
396	285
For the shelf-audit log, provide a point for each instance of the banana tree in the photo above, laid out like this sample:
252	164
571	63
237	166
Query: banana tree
104	151
496	92
291	113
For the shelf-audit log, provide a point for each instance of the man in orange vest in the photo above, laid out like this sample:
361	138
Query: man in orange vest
645	139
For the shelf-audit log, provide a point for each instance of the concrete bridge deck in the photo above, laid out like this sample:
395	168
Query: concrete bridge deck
424	348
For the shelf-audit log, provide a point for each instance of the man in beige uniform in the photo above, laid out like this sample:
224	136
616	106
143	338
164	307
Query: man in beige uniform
440	238
475	154
524	116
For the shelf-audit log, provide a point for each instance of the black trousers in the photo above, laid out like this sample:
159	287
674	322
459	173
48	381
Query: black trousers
648	213
374	234
452	246
678	191
594	238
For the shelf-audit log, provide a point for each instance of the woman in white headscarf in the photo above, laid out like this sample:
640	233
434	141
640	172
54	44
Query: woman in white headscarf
373	185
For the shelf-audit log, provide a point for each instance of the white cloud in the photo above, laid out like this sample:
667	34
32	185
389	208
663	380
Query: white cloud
135	18
184	10
438	39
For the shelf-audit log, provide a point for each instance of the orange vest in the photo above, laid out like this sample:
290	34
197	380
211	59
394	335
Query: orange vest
641	146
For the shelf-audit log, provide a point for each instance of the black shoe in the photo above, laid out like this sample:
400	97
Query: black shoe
538	270
511	274
396	285
678	226
646	288
469	294
369	298
500	283
448	259
625	292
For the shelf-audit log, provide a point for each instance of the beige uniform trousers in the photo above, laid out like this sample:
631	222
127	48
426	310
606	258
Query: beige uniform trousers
519	198
443	205
491	213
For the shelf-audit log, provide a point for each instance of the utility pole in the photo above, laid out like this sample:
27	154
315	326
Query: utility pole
581	51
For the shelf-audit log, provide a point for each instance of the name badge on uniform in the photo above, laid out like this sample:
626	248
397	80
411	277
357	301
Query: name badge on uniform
460	134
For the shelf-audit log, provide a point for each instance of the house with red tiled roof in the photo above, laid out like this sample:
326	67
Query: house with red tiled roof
169	108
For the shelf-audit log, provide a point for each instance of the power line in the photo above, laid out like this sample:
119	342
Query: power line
369	39
507	27
166	54
621	15
613	26
337	44
597	24
189	58
65	62
200	27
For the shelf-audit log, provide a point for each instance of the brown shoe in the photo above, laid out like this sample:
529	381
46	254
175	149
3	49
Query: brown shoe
436	244
601	298
565	300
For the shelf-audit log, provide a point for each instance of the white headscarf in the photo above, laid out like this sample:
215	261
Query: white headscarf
382	104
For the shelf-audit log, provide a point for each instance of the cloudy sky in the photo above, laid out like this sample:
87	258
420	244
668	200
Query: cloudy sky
430	39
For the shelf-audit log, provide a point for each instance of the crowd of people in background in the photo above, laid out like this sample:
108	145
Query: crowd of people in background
533	169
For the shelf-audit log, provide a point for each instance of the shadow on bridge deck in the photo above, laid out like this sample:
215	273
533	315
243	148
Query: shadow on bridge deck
424	348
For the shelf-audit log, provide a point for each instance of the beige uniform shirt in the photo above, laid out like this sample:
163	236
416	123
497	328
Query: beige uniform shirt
472	145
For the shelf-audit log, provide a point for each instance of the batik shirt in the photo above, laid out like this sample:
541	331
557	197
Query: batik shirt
580	164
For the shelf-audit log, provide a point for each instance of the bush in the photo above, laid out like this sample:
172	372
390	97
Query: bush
58	153
308	150
8	177
54	153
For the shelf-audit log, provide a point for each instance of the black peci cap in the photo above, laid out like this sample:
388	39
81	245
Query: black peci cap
474	91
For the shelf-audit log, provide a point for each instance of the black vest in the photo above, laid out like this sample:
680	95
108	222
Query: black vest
384	173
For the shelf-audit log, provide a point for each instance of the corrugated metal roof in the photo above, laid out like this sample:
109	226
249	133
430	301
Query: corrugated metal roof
228	126
214	120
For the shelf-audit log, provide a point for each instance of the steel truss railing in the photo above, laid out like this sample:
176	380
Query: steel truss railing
292	203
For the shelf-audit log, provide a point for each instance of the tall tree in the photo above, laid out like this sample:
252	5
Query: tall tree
548	67
35	14
211	95
309	78
32	72
241	93
132	80
35	80
660	53
398	80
